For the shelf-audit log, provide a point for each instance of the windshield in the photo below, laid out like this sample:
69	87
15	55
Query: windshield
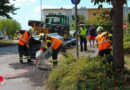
53	20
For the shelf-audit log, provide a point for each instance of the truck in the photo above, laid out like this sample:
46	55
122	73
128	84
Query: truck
56	25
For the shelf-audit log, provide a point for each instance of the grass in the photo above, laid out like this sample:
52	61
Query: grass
6	42
85	73
127	61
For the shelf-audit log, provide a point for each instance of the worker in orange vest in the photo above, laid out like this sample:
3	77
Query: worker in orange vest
55	44
104	45
23	44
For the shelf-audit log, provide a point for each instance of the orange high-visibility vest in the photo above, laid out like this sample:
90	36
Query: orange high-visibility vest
24	38
103	42
55	43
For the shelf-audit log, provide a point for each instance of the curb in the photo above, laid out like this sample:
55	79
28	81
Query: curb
4	45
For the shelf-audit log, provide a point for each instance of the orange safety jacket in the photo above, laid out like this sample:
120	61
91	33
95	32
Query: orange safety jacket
55	43
24	38
103	42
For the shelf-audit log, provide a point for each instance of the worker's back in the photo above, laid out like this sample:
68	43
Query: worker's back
103	42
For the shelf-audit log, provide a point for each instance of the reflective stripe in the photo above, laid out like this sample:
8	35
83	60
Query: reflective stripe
48	41
20	58
103	41
28	57
23	39
45	46
53	43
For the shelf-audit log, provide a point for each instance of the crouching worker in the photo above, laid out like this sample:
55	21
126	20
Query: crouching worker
53	43
23	44
104	45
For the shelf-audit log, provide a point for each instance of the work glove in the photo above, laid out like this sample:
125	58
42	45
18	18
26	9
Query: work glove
27	45
43	49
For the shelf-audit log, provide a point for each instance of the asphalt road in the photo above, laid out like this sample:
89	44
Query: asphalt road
20	76
25	76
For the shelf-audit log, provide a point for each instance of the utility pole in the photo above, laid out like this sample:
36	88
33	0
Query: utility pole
76	22
76	2
41	9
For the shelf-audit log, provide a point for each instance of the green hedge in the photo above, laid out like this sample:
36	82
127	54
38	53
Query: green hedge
85	74
127	45
106	27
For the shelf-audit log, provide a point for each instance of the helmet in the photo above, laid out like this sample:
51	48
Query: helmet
31	30
41	36
99	29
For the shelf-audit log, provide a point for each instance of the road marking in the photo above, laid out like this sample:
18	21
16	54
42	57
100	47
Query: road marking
21	71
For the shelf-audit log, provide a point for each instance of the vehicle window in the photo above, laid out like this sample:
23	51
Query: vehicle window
53	20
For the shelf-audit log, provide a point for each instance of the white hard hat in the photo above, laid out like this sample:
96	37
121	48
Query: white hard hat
99	29
31	30
41	36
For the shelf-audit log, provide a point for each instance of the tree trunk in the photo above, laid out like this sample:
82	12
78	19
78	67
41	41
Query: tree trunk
118	34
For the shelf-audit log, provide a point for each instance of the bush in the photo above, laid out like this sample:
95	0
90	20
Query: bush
85	73
106	27
127	45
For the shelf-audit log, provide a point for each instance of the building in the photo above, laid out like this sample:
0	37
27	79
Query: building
88	13
124	11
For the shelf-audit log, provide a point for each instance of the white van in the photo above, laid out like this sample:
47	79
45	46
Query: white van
1	36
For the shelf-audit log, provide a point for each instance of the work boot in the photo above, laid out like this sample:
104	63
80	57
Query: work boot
85	49
81	50
54	64
21	61
30	61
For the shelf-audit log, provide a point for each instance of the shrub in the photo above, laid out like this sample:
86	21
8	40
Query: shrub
106	27
85	73
127	45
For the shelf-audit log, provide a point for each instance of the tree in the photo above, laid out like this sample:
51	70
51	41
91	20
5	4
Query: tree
117	19
6	8
128	17
81	18
10	25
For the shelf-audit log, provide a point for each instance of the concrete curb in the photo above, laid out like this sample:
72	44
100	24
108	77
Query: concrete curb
4	45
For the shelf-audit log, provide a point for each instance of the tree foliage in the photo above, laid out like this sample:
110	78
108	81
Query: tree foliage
10	25
81	18
6	8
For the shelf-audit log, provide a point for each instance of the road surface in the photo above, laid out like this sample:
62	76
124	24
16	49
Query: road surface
20	76
25	76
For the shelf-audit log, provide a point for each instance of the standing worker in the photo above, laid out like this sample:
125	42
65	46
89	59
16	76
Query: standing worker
104	45
55	44
83	35
23	44
92	33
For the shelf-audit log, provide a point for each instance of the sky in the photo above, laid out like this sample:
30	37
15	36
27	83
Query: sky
30	9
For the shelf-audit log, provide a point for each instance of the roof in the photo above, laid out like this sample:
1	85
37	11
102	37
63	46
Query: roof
83	8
